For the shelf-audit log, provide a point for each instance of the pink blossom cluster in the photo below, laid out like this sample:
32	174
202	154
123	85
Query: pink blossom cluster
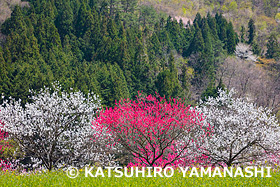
4	164
156	131
2	136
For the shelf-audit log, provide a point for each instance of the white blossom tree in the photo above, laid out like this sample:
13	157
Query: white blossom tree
242	132
55	129
244	51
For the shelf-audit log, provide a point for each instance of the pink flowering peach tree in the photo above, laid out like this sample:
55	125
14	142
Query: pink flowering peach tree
4	164
2	136
155	131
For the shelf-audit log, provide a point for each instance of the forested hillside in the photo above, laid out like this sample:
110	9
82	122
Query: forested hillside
266	13
119	47
129	83
114	52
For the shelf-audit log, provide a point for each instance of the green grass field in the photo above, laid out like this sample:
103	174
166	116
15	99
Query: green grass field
59	178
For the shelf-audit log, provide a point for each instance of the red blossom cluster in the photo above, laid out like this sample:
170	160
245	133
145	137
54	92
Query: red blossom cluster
156	131
4	165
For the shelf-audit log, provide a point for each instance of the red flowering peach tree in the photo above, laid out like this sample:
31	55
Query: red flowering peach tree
2	136
4	164
156	131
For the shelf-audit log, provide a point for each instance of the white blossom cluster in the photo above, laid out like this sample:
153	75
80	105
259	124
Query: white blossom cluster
242	132
55	129
244	51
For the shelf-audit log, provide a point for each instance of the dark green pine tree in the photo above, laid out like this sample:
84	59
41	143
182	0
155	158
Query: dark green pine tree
155	49
181	40
223	30
236	38
207	63
167	82
83	21
273	48
93	4
93	37
165	41
118	20
212	91
218	18
49	10
168	25
112	83
209	92
251	31
242	34
172	66
206	33
103	9
113	7
16	23
213	26
4	79
119	85
184	77
197	44
21	81
65	19
112	29
53	39
164	83
85	77
256	48
231	43
198	20
104	84
140	69
6	51
123	54
129	5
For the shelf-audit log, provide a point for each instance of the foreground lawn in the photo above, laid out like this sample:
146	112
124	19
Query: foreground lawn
59	178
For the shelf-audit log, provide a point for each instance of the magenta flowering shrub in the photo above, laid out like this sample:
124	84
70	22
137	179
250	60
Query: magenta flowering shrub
4	164
2	136
157	132
3	144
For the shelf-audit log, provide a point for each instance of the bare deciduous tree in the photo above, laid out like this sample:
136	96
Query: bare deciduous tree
250	80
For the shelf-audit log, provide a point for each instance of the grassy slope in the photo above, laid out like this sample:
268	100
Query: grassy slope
61	179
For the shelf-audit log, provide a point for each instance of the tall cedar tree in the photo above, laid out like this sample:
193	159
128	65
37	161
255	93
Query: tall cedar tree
251	31
273	48
242	34
230	39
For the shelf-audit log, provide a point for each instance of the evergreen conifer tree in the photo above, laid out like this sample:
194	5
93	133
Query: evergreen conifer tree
273	48
242	34
251	31
230	39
